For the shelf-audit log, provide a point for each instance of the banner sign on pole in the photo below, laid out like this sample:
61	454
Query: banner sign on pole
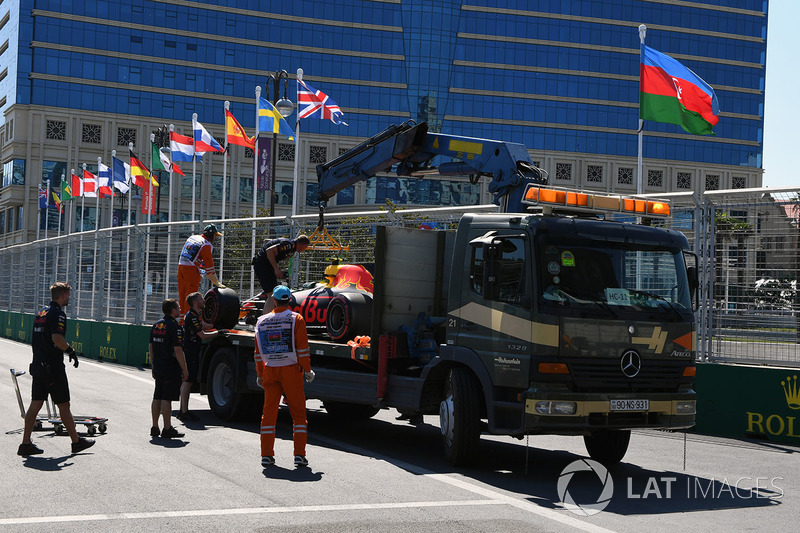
264	166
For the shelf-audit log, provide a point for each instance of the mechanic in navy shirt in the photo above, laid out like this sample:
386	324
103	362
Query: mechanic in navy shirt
169	367
265	263
48	371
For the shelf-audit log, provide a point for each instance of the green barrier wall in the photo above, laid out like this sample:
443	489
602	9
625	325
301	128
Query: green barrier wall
749	401
79	336
4	323
24	328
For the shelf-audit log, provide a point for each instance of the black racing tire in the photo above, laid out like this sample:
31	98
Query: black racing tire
607	447
349	314
222	308
223	399
460	417
351	412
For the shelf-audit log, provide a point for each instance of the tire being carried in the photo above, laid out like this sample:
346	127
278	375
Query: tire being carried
222	308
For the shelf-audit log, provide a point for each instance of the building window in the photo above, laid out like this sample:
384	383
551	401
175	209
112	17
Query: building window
248	152
3	74
4	47
684	180
126	136
739	182
594	174
56	130
19	218
625	176
14	172
318	154
712	182
2	101
4	20
655	178
563	171
91	133
285	152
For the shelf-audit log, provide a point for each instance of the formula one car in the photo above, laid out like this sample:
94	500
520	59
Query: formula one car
341	306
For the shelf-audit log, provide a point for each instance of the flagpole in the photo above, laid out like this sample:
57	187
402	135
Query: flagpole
225	154
639	188
60	209
194	161
255	192
97	218
169	217
296	177
39	213
130	191
46	215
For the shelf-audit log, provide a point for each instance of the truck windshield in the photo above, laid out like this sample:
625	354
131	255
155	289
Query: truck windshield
616	279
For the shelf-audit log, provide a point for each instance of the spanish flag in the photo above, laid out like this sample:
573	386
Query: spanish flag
139	172
235	132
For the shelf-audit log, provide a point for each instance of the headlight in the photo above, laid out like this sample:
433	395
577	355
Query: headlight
685	407
550	407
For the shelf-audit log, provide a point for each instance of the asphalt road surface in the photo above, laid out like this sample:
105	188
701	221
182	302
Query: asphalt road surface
380	475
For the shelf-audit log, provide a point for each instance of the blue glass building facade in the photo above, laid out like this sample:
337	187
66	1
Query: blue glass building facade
559	76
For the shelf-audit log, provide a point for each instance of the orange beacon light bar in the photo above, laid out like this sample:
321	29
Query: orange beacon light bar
550	197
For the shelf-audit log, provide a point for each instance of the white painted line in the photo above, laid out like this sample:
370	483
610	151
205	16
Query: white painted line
557	516
242	511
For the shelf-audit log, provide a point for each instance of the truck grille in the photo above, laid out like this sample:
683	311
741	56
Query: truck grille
600	375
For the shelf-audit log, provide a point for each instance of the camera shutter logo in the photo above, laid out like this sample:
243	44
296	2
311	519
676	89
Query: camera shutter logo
585	509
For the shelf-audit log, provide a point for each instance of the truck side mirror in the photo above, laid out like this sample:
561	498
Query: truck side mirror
694	284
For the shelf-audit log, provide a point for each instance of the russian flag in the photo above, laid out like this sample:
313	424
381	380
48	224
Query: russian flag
203	141
182	147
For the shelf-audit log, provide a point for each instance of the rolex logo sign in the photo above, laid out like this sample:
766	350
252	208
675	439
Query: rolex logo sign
792	392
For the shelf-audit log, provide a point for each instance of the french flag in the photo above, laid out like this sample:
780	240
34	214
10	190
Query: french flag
181	146
203	141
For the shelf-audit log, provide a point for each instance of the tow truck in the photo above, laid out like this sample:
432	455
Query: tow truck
547	318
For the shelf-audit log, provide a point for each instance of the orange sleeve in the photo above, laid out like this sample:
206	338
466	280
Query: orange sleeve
259	363
205	258
301	343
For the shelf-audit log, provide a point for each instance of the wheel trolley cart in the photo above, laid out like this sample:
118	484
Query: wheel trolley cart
93	423
40	419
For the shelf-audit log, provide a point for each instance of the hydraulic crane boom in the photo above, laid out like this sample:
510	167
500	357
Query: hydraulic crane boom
410	148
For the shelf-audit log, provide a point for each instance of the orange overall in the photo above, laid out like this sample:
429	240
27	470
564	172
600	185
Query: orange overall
282	357
196	254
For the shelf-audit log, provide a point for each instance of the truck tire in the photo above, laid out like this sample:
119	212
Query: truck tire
607	446
222	308
460	418
349	314
352	412
223	399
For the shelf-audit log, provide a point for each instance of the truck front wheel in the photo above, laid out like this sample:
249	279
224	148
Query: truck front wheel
223	399
607	446
459	417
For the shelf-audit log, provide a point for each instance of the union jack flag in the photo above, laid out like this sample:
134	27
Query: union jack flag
42	197
317	104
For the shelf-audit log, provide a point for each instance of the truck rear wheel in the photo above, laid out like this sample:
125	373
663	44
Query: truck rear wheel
350	411
459	417
607	446
223	399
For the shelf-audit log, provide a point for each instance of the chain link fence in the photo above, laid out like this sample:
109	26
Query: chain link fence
746	241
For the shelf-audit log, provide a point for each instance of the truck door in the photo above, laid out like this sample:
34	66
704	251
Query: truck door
495	308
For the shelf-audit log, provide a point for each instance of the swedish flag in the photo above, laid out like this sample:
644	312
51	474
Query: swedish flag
270	121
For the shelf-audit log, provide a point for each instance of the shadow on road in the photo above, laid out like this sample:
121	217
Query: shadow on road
292	474
47	464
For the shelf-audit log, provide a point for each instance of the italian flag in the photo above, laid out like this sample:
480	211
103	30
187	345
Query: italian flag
670	92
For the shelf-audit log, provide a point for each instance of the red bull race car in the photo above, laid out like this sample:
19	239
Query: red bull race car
341	306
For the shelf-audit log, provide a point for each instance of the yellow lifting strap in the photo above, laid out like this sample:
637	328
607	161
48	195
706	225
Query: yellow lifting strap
322	240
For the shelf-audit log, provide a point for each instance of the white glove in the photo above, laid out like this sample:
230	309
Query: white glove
310	375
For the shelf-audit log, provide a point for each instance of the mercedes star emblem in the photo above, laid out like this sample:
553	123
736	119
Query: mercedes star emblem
631	363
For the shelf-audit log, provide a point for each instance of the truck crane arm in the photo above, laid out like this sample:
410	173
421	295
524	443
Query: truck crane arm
410	149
